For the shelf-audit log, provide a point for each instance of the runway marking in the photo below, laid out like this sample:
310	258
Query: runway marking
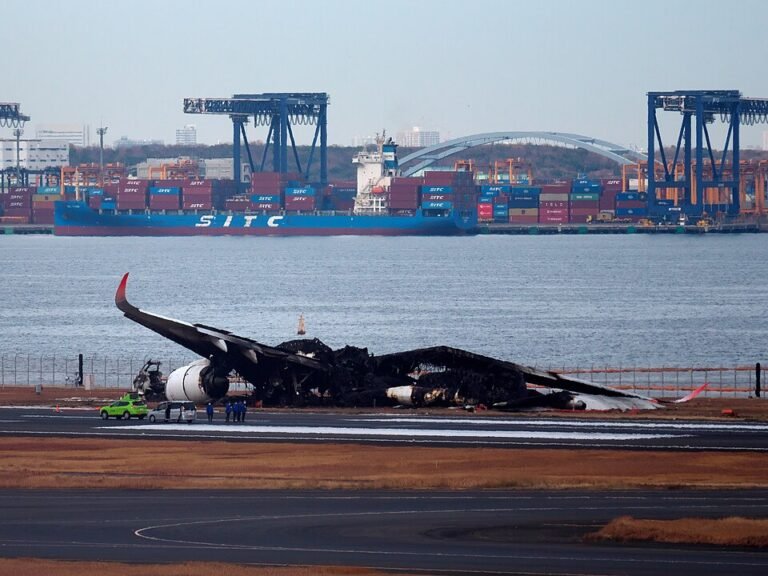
573	423
142	533
409	432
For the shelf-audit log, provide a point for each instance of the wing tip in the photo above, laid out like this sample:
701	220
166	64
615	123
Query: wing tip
120	294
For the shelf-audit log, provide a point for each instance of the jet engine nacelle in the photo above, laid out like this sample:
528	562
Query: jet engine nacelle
197	382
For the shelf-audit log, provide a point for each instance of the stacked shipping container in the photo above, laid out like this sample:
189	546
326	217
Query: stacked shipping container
524	204
584	203
553	203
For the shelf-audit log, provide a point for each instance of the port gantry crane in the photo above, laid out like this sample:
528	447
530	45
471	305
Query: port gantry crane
710	173
11	117
279	111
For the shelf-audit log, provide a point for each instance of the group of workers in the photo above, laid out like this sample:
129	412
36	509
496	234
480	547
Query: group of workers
235	409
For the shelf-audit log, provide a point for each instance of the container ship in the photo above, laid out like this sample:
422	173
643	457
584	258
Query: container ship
379	203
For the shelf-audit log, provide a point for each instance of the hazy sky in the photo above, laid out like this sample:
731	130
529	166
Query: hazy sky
457	66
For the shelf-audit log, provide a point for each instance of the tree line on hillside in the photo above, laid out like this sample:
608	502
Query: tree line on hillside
548	162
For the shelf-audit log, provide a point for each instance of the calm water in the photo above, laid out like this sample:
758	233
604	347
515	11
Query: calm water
634	300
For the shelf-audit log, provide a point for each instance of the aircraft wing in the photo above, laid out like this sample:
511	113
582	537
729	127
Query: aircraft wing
235	351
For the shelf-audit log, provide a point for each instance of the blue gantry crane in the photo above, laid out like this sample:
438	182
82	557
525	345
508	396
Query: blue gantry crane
279	111
11	116
723	173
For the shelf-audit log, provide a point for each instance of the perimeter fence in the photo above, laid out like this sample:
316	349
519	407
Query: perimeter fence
105	372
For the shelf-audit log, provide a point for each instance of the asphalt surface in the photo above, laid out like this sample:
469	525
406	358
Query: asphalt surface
408	427
504	532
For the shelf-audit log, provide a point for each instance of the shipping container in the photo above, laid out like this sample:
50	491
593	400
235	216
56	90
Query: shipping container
494	189
630	196
436	197
269	199
265	206
164	202
554	197
304	191
585	197
524	191
164	191
523	219
524	212
523	203
631	212
436	189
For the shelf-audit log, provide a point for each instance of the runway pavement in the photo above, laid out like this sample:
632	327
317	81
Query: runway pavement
462	430
496	532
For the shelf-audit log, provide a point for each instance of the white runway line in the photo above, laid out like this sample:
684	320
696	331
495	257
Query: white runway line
396	432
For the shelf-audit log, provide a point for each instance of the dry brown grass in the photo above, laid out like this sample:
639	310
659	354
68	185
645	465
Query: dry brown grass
35	567
117	463
732	531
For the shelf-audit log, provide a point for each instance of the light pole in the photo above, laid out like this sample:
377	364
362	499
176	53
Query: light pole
18	132
101	131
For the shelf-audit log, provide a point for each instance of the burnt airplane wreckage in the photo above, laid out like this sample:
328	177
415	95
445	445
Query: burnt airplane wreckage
306	372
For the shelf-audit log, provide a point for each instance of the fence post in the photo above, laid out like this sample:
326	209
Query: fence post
757	380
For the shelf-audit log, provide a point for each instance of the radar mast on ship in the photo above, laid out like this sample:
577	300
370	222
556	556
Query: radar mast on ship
375	169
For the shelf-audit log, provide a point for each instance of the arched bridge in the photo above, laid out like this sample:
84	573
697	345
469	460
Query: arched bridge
427	156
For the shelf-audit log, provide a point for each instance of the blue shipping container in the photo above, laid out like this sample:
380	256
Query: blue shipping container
488	189
631	211
623	196
485	200
526	191
49	190
266	199
523	203
108	204
170	191
437	205
95	191
437	190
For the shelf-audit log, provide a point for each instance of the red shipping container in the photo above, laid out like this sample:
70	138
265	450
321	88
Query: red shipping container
265	206
123	203
403	203
164	202
94	202
196	204
485	210
405	180
198	184
549	204
439	178
611	184
559	188
608	199
10	219
18	211
523	219
581	219
197	193
111	189
630	204
584	211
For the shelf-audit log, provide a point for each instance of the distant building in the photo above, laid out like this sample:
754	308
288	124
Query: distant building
765	139
186	136
70	133
418	138
125	142
34	154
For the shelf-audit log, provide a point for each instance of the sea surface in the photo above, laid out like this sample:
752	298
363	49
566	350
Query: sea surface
548	301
